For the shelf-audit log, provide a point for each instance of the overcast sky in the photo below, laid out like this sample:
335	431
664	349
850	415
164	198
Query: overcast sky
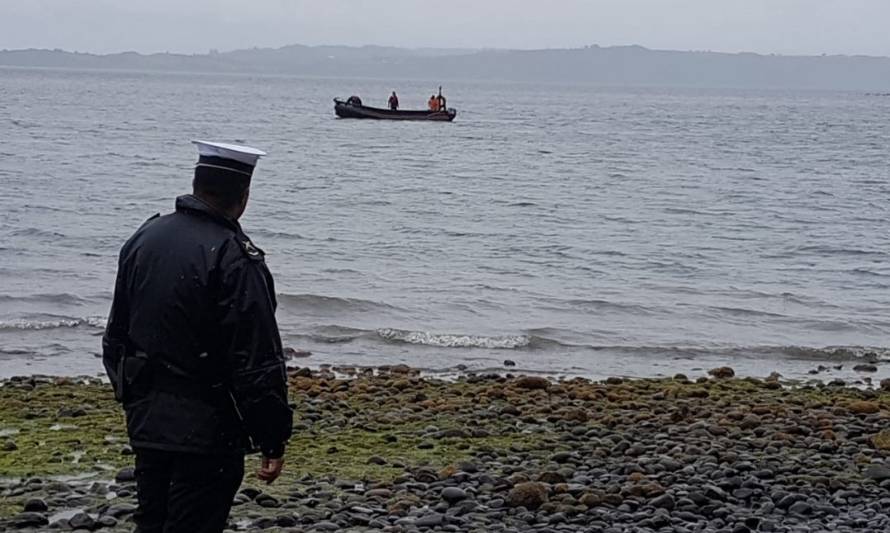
764	26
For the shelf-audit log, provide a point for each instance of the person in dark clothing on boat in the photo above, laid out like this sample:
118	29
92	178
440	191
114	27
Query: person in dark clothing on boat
193	352
441	101
393	101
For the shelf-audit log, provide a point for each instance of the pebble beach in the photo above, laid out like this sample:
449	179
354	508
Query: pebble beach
389	449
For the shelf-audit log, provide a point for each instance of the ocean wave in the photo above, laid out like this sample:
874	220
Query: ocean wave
23	124
596	305
319	303
13	352
63	298
444	340
784	297
808	353
36	232
839	250
25	324
868	272
836	353
685	211
334	334
270	234
571	344
741	311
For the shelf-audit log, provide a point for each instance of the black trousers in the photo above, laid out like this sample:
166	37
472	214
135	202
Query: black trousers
185	493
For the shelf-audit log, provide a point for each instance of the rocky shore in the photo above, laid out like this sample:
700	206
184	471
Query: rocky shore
389	450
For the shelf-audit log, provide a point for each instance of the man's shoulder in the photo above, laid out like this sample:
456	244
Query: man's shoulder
141	230
242	250
181	232
148	222
185	223
252	251
188	233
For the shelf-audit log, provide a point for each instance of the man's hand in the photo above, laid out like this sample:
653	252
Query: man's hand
271	469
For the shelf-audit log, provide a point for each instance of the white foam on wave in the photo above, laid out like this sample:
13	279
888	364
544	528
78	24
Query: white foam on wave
840	353
23	324
444	340
96	321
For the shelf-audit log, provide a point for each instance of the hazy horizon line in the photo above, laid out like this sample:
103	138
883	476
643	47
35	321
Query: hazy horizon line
211	51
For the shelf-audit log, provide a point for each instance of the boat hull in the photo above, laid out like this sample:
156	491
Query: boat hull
344	110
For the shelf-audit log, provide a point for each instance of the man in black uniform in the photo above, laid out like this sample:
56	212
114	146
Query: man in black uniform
193	351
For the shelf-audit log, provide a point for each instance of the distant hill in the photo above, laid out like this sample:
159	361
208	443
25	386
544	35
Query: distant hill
620	65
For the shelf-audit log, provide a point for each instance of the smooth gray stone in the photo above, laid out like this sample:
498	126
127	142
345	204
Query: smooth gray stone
430	520
453	495
29	519
877	472
125	475
36	505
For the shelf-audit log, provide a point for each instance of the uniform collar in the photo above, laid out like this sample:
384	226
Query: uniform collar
193	204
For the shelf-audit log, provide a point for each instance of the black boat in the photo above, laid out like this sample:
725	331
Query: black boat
353	109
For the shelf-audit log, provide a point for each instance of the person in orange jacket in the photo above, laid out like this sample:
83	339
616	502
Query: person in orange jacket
434	103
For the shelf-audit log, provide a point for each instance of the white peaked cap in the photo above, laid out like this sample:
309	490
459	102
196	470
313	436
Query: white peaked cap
242	154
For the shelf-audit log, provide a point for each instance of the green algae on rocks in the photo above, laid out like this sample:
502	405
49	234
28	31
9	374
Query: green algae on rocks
58	426
373	427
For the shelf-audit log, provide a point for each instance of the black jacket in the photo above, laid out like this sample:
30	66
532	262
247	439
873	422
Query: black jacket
192	347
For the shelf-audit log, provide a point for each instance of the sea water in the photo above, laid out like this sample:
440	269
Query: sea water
576	230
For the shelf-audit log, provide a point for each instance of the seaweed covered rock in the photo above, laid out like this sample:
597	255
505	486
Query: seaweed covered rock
530	495
863	407
532	383
723	372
